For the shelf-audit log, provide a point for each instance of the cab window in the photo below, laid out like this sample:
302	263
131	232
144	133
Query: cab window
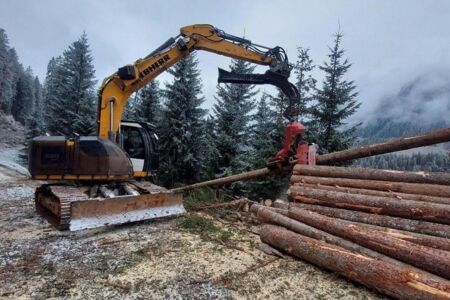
133	142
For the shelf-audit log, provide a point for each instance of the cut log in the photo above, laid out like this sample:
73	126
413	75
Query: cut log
433	260
417	238
426	139
270	217
393	280
402	187
256	207
224	180
373	174
350	190
281	204
429	228
433	212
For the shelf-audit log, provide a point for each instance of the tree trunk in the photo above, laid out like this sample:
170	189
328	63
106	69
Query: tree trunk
266	215
396	281
402	187
433	260
373	174
429	228
431	138
400	196
224	180
434	212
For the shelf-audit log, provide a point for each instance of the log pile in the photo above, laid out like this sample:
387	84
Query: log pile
389	230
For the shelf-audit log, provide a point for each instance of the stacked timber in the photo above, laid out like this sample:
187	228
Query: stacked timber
389	230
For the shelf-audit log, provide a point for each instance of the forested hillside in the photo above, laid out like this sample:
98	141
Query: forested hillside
420	106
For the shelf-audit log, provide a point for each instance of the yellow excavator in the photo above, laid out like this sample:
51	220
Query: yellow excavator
98	180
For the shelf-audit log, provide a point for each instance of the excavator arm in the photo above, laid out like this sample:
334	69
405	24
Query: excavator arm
117	88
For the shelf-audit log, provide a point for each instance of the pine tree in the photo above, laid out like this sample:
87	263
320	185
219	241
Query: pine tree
232	116
181	127
336	101
305	83
72	109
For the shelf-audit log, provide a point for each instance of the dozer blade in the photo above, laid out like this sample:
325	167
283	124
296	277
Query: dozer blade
70	208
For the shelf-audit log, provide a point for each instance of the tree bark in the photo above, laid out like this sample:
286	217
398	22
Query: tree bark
266	215
433	260
433	212
402	187
391	194
431	138
373	174
393	280
224	180
429	228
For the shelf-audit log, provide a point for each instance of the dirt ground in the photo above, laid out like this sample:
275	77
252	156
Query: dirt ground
146	260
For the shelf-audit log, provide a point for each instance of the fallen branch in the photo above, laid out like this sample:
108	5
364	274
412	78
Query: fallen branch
237	202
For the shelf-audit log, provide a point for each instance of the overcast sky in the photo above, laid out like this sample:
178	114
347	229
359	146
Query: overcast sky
388	42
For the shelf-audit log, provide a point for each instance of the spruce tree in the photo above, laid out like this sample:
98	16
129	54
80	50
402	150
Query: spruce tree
72	109
6	74
336	101
181	127
49	91
264	145
24	98
305	83
232	116
148	106
210	153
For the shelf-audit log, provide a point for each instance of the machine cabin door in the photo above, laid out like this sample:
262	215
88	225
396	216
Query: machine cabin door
140	143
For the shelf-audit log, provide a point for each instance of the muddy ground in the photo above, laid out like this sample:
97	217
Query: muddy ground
146	260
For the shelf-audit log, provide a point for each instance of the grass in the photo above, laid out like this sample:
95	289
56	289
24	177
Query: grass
206	228
203	197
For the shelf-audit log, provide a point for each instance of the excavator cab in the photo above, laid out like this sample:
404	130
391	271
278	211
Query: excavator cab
140	142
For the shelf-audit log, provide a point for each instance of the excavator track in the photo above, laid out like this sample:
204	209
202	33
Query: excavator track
70	207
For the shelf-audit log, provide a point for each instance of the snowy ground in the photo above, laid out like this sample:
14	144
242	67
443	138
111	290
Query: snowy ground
150	260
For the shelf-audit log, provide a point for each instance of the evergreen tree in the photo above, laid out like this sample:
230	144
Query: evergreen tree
264	145
210	153
24	98
49	91
148	106
279	105
182	124
305	83
72	105
336	101
6	74
232	115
